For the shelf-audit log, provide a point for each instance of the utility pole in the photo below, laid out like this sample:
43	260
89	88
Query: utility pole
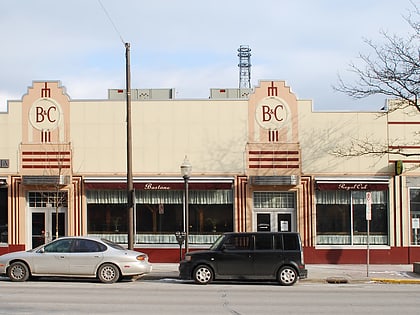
130	190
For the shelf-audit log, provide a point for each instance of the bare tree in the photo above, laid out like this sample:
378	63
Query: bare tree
367	146
393	68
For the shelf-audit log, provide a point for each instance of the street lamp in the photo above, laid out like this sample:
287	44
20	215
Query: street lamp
186	172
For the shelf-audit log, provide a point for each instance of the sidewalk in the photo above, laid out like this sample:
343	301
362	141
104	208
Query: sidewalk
362	273
324	273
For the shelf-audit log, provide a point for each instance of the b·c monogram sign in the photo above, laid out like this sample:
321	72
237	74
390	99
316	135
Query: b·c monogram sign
45	114
272	113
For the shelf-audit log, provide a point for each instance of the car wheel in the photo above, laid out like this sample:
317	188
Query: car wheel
203	274
18	272
108	273
287	275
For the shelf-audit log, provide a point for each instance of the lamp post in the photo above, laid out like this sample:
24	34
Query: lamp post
186	172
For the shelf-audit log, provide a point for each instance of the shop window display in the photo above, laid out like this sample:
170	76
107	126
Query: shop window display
3	215
341	218
415	215
210	214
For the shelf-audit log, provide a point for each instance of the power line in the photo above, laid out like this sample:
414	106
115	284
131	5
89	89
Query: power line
112	22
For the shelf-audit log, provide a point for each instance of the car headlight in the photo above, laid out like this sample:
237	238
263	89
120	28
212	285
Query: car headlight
187	258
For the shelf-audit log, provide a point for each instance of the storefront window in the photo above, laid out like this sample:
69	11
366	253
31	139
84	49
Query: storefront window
415	215
51	199
274	199
159	214
341	217
3	215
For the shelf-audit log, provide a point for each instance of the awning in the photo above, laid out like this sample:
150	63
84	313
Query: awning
159	183
352	183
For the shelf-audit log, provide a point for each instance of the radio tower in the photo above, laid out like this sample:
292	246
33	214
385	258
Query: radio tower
244	54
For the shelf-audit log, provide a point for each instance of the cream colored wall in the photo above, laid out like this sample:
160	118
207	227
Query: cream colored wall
97	135
212	133
320	133
11	135
403	130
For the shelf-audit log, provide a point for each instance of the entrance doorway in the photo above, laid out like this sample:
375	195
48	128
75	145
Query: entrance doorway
275	222
48	217
274	212
45	226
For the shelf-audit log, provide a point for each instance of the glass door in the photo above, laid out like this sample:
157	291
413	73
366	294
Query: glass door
44	226
274	211
48	216
263	222
59	226
38	229
284	222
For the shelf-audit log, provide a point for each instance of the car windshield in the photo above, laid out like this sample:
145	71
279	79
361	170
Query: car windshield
217	242
112	244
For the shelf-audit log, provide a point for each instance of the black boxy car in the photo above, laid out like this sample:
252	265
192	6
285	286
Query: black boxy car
274	256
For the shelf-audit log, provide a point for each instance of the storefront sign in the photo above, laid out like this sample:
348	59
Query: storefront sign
159	186
151	186
45	114
272	113
351	186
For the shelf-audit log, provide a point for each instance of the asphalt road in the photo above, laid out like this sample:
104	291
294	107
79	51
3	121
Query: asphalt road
172	296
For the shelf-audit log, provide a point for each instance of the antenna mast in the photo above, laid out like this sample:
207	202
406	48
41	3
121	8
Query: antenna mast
244	54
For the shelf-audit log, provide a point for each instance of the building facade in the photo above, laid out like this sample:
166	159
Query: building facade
262	161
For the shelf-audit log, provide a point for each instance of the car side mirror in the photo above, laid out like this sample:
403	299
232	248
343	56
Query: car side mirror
41	250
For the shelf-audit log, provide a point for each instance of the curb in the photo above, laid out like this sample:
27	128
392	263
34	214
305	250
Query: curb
344	280
329	280
397	281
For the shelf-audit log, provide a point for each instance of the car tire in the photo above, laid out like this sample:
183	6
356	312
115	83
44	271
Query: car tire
203	274
18	272
108	273
287	276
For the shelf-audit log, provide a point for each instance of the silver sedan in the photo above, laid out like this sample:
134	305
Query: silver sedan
76	257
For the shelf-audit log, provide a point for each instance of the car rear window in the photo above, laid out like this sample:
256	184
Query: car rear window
112	244
286	242
290	242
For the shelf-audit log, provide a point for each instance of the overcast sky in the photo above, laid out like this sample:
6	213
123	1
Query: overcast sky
191	45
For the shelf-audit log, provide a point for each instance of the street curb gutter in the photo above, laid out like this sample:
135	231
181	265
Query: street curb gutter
344	280
397	281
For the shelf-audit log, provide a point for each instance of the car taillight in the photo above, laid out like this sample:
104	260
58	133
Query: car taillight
142	257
